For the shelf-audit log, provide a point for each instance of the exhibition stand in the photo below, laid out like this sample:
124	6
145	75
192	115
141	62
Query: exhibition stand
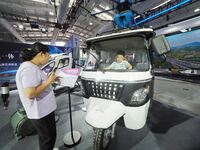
69	78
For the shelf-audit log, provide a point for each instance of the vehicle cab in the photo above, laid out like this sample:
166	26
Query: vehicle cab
131	87
119	92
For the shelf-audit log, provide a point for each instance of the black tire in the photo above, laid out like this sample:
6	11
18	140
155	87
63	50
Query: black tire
102	138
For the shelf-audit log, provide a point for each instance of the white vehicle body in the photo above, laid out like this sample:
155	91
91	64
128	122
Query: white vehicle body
110	92
102	113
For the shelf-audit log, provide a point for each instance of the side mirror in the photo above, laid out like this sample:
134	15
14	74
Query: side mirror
76	53
160	45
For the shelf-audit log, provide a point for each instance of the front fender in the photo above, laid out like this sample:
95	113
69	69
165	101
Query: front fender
103	113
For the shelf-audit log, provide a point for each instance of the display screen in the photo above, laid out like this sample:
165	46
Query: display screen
9	59
56	49
185	46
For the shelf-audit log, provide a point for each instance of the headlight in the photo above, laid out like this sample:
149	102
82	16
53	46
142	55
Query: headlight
139	96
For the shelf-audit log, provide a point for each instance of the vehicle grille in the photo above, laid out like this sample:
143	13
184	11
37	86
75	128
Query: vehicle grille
106	90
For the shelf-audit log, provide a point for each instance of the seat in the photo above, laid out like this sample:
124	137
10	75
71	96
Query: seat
141	66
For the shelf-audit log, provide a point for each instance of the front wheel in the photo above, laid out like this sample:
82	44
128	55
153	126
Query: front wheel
102	138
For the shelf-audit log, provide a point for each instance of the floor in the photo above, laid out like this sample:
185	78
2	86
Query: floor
179	94
167	128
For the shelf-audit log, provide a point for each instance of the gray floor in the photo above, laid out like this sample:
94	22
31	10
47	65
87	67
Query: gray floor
8	141
180	94
168	128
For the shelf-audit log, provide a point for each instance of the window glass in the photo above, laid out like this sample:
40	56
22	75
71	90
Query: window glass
63	63
122	54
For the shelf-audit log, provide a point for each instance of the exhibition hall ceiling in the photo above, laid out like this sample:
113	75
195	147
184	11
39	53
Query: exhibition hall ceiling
54	21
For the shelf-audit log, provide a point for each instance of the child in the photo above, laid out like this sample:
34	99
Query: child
120	63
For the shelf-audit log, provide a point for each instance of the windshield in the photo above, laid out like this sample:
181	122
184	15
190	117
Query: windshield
120	54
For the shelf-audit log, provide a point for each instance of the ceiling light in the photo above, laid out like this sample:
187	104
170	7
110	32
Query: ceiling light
91	23
161	4
45	42
51	13
137	17
96	10
54	2
183	30
44	30
71	2
41	1
60	43
197	10
103	16
104	7
20	26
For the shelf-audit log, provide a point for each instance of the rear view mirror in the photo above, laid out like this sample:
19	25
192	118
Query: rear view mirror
160	45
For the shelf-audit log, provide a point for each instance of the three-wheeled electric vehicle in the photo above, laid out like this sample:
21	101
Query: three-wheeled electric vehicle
116	93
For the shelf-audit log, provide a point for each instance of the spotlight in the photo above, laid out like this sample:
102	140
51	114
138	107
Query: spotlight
197	10
21	27
44	30
51	13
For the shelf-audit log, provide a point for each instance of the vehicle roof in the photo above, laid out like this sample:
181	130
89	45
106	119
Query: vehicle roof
145	31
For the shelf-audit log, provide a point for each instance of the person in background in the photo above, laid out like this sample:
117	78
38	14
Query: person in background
5	94
120	63
36	94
